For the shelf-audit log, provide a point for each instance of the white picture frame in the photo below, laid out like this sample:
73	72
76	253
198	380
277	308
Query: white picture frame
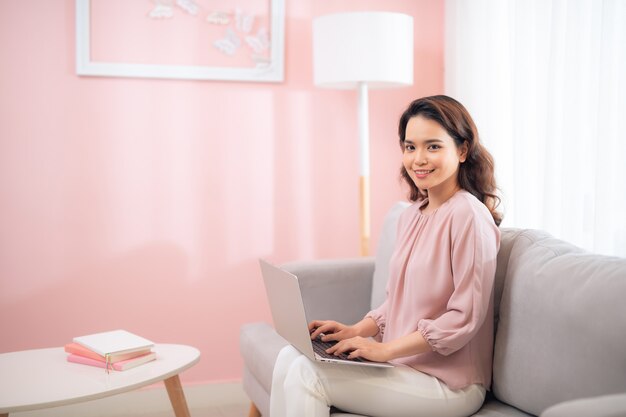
273	72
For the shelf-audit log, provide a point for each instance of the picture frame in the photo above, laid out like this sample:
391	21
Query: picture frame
270	71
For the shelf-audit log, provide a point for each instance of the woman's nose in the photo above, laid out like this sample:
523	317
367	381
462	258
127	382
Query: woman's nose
419	159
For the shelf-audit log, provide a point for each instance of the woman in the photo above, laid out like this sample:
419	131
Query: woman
436	323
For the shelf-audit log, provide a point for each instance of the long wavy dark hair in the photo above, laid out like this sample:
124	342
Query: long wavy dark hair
476	174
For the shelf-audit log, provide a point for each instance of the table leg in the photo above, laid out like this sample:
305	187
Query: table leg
177	396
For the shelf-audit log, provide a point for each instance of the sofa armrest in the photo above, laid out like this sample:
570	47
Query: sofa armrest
602	406
338	289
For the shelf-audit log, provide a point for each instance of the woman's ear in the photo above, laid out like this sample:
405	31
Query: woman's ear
463	149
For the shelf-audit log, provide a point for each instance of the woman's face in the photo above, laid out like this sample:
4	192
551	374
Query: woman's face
431	156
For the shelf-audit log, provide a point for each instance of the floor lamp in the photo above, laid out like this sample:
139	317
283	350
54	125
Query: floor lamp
363	50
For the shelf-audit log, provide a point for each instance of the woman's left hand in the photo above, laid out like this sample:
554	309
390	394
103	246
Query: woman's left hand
361	347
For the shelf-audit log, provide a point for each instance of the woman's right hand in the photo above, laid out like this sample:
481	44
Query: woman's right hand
332	330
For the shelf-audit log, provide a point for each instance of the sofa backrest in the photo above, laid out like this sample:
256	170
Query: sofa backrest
384	249
507	239
562	322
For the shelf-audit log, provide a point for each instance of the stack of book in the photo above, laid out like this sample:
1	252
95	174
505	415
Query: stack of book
115	350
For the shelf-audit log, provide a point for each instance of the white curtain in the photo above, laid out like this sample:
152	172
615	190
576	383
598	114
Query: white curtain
545	81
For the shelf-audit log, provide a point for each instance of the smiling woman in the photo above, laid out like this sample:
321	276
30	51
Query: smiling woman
436	322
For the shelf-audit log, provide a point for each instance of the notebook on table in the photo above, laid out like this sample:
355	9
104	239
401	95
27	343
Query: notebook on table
287	307
114	342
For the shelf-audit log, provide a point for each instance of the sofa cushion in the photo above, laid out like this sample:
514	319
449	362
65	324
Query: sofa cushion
562	325
603	406
384	250
335	289
507	239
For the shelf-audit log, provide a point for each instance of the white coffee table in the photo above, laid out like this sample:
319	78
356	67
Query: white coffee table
42	378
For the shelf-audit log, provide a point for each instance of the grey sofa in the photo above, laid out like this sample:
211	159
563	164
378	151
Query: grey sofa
560	312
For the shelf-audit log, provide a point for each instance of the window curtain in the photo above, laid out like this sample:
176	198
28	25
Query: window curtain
545	81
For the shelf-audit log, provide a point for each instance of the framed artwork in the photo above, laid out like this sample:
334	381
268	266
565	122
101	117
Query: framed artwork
228	40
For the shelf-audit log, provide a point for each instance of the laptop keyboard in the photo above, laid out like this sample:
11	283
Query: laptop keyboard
320	347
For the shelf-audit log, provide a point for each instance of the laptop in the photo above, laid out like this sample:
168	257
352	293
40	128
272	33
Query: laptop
285	300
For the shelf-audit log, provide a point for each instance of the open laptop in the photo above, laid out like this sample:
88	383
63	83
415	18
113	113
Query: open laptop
285	300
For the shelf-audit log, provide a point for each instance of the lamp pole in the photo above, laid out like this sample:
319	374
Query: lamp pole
363	50
364	167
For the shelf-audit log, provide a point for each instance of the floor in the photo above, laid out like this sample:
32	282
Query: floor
207	400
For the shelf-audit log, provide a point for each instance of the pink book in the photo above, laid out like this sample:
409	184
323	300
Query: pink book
118	366
80	350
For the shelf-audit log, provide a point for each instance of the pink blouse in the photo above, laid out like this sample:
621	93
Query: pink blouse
440	284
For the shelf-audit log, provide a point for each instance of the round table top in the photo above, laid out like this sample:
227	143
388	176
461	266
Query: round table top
41	378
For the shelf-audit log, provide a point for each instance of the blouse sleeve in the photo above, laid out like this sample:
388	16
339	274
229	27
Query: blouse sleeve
474	250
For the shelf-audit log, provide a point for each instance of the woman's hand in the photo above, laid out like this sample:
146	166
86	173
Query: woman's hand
336	331
332	330
361	347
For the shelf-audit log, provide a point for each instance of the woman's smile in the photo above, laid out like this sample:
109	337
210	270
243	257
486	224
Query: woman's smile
422	173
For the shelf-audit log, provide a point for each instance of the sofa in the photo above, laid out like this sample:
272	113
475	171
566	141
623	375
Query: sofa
560	324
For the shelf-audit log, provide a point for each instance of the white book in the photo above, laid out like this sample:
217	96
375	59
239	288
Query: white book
115	341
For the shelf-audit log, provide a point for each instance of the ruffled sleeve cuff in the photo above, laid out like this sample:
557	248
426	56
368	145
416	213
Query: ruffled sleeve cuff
425	330
379	318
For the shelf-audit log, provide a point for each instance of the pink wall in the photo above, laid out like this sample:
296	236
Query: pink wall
144	204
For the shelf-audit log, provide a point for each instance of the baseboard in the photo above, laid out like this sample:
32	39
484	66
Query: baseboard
224	399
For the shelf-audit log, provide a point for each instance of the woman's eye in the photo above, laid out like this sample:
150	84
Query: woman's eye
434	147
409	148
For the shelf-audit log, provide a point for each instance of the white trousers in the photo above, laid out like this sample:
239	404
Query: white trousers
304	388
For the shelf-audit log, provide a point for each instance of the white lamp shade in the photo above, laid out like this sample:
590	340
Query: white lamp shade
371	47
